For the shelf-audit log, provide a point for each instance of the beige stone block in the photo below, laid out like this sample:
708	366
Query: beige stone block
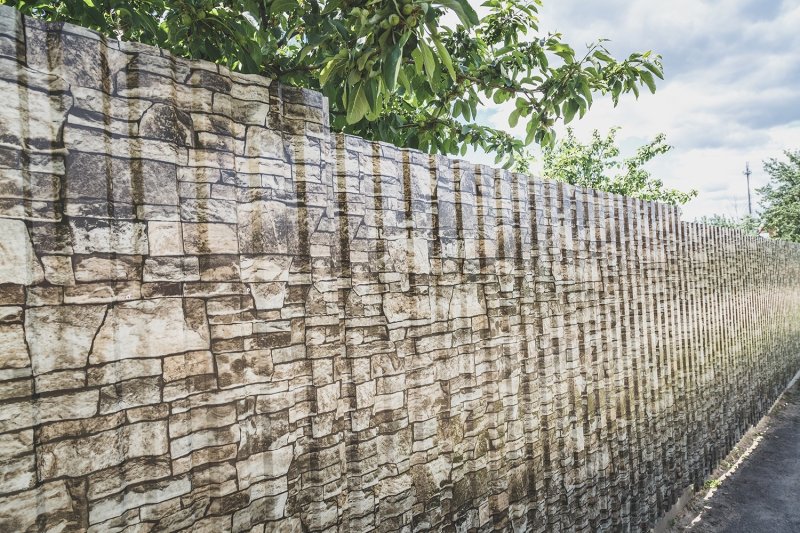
268	295
242	368
270	464
80	456
208	238
201	418
18	263
123	370
260	268
134	498
150	328
204	438
60	337
58	269
165	238
53	506
12	347
188	364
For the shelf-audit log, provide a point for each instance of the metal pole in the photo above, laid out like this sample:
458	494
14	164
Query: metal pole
747	173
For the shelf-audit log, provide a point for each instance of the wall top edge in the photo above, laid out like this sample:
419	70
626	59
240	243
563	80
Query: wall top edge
14	23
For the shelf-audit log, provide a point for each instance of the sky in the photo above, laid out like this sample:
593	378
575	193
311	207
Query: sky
731	92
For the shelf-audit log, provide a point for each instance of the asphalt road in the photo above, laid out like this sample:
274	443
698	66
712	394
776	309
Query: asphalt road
763	495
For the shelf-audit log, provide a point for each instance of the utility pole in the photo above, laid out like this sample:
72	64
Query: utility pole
747	173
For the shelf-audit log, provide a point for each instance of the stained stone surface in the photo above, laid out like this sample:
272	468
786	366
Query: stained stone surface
215	315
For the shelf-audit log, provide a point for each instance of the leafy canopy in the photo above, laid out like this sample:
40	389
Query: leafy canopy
392	70
598	165
780	199
749	224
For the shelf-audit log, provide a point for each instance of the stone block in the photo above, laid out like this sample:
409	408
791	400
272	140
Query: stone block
108	268
13	348
18	262
172	327
55	509
268	227
242	368
129	394
33	112
83	455
124	180
165	238
167	123
104	236
59	337
171	269
268	295
270	464
209	238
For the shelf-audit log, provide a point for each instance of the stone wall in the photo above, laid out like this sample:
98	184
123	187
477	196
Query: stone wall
217	316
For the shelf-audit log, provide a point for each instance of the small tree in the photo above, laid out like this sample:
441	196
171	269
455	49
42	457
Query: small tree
391	69
598	165
780	199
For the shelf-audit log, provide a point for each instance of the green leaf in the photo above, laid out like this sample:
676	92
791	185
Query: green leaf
655	70
570	108
463	10
599	54
647	78
427	58
444	55
359	106
513	118
391	67
283	6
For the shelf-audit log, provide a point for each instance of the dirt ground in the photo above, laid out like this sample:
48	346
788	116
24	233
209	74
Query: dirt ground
762	493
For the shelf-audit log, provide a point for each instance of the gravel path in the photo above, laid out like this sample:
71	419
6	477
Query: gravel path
763	494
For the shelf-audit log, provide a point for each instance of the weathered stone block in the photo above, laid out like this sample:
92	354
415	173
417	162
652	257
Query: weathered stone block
132	472
259	268
60	337
33	111
268	228
188	364
55	509
104	236
165	238
129	394
83	455
126	181
172	327
101	268
18	263
201	418
210	238
265	465
167	123
58	269
13	348
268	295
171	269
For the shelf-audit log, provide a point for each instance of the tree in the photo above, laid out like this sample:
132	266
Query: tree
598	165
392	70
780	199
748	223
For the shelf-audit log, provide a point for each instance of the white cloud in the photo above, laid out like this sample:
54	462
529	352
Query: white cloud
730	94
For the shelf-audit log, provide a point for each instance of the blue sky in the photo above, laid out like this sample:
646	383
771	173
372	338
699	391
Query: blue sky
731	92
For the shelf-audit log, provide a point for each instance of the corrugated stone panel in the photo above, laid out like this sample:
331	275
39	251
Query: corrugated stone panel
216	316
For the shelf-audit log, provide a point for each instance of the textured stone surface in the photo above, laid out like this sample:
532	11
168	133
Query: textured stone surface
18	263
217	316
